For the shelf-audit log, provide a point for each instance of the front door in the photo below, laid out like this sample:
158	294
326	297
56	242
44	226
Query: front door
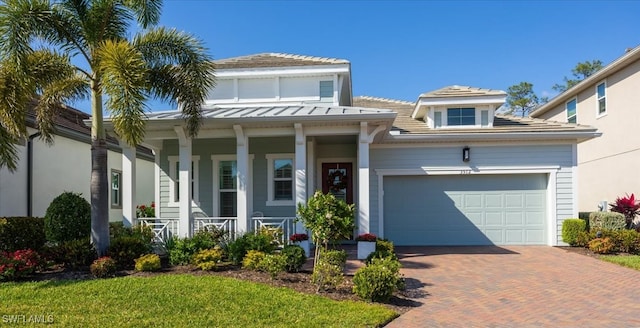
337	178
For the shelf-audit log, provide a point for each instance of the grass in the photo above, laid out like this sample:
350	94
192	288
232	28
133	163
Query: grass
181	300
630	261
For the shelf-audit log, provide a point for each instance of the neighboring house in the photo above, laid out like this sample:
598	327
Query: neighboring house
44	171
608	100
444	170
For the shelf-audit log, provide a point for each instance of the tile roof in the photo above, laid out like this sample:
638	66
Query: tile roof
282	111
275	60
404	124
461	91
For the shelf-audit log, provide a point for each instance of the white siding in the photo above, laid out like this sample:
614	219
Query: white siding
495	156
299	87
224	90
252	89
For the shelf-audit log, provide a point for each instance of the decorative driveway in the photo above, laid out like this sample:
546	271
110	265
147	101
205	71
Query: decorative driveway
523	286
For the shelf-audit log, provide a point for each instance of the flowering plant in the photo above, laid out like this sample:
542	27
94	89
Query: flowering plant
366	237
299	237
628	206
103	267
17	264
144	211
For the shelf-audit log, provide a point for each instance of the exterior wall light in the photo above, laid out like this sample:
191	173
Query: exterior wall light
466	154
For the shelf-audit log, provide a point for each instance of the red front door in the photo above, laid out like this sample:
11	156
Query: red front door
337	178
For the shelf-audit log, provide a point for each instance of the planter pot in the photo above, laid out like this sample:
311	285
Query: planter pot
365	248
305	245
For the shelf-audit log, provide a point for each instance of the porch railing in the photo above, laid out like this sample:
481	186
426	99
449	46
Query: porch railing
166	228
286	225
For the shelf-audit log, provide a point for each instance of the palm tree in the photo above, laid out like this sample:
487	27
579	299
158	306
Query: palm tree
38	39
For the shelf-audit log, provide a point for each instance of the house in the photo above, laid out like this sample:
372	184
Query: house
607	100
443	170
44	171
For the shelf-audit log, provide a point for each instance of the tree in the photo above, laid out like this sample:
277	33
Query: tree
582	71
521	99
38	39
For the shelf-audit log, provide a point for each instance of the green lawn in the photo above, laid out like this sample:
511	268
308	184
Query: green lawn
180	301
630	261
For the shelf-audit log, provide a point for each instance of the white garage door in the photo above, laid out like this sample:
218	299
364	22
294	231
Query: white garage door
505	209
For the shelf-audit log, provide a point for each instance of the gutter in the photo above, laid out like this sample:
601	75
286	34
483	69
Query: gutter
30	173
580	136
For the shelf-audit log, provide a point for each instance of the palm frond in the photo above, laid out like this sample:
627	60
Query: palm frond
16	90
106	20
180	70
147	12
124	74
8	150
20	22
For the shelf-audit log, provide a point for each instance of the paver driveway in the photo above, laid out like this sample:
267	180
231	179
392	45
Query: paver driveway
524	286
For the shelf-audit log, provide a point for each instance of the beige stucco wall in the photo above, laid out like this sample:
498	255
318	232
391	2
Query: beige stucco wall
608	166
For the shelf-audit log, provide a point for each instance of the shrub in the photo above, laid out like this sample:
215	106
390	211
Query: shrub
584	237
585	216
103	267
326	275
181	250
149	262
607	221
628	241
378	280
273	264
18	264
384	245
207	259
117	230
124	250
252	260
628	207
380	254
601	245
21	233
335	257
67	218
294	257
274	235
238	248
76	254
263	241
570	230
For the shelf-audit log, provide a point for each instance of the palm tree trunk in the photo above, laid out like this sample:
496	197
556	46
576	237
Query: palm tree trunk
99	179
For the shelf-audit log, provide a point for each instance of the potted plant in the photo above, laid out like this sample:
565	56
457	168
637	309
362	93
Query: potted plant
366	245
302	240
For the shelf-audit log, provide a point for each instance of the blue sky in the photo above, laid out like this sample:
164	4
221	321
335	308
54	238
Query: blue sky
399	49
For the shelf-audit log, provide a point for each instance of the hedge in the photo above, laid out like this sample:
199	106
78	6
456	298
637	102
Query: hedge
21	233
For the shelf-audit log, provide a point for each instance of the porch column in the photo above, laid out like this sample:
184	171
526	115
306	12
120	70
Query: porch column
128	184
363	179
242	160
156	181
184	176
301	174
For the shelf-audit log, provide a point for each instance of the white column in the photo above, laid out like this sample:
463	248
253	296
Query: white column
242	158
156	180
128	184
363	179
301	172
184	152
311	154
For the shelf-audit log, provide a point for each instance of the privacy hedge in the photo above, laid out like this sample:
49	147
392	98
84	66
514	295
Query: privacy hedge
21	233
571	229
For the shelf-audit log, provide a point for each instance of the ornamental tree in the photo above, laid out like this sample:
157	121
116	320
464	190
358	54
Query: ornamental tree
628	206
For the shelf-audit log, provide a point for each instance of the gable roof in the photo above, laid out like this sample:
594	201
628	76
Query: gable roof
616	65
461	91
504	125
275	60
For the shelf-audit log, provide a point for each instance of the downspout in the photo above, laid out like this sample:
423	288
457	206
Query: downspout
30	173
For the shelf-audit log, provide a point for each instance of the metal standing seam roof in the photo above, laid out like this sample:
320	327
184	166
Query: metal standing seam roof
406	125
290	111
265	60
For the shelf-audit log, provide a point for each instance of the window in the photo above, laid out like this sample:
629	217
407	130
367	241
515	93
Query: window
437	119
461	116
572	115
116	190
484	118
174	175
227	198
326	90
280	180
602	98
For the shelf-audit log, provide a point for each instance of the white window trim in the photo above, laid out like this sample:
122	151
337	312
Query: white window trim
216	159
270	185
478	118
598	114
173	161
119	205
566	110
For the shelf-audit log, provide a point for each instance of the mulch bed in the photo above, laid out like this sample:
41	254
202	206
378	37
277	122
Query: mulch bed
401	302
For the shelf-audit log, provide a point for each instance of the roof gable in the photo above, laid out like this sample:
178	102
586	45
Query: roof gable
264	60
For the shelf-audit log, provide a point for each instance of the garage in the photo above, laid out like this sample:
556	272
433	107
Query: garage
481	209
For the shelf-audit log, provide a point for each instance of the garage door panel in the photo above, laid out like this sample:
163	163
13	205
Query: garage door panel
465	210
